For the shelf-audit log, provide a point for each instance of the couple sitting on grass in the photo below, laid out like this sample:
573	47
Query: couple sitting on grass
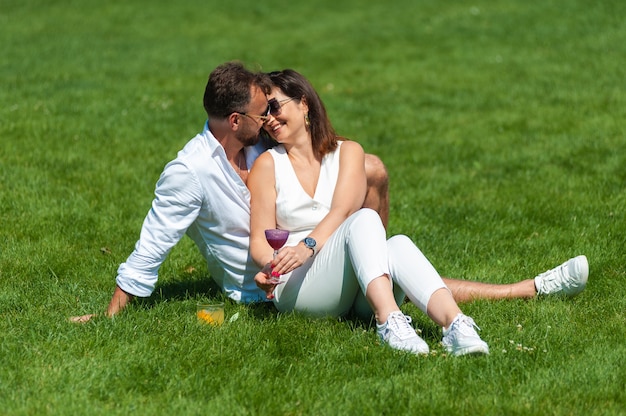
328	194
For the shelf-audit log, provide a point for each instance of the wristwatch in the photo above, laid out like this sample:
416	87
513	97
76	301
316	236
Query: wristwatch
310	242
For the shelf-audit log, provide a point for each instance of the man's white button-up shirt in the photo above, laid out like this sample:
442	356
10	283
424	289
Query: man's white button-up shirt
200	194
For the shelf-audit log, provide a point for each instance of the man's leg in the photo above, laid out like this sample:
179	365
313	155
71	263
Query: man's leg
377	197
467	291
569	279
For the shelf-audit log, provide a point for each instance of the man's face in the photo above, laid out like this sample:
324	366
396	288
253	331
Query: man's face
253	119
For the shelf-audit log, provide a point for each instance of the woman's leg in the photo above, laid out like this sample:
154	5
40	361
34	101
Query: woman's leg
355	256
367	248
417	277
442	308
424	287
380	296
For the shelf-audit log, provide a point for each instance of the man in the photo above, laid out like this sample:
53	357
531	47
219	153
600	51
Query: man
203	193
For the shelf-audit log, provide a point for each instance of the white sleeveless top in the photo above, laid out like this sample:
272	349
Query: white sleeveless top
296	211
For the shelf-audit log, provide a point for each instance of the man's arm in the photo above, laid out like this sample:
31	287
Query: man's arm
118	302
178	200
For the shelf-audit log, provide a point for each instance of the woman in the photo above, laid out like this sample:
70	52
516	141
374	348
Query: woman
337	256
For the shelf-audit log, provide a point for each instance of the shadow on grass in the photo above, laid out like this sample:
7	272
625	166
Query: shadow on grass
183	289
193	287
262	310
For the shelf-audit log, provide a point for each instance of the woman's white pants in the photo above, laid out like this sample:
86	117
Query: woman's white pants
335	280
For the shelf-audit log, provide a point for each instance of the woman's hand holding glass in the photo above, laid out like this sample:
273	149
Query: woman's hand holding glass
265	281
276	238
286	260
290	258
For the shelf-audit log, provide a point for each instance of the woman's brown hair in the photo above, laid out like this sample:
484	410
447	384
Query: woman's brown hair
296	86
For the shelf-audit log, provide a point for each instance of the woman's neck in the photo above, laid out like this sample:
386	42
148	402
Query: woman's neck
301	150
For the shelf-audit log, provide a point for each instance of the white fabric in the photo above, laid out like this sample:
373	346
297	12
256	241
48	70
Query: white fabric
296	211
412	271
334	280
198	193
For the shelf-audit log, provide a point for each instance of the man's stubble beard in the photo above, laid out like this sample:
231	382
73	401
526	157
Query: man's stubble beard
248	138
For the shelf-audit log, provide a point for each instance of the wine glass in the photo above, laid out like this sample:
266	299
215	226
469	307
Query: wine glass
276	238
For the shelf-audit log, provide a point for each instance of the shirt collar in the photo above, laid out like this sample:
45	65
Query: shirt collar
214	145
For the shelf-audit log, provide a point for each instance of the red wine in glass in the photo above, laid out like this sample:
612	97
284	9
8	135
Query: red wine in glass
276	238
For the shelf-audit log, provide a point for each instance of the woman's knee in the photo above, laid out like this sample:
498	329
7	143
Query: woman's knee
364	217
400	241
402	249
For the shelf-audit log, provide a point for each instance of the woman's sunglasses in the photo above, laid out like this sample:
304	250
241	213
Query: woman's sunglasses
274	107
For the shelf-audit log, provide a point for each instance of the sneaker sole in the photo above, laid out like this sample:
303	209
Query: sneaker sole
473	350
407	350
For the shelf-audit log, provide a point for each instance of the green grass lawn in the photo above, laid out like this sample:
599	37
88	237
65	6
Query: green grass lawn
502	124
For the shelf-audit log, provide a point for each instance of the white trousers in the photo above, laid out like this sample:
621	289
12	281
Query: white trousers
335	280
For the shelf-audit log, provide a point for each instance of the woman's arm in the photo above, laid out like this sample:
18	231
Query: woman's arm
348	198
349	192
262	185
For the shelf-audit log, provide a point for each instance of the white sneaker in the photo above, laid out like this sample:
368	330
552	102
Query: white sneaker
570	278
461	337
398	333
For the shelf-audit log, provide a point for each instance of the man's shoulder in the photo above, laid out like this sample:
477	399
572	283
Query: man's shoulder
194	155
195	150
199	141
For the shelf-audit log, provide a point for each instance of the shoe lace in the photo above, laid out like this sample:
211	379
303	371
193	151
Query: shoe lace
465	325
553	275
401	325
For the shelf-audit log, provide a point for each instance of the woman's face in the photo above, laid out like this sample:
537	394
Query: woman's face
286	116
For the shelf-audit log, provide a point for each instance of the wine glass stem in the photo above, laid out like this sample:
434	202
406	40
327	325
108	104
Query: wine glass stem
274	278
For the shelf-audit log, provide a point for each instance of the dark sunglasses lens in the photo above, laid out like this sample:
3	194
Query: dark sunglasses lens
274	107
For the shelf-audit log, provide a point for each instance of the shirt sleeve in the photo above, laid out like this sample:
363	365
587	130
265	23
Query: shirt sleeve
177	202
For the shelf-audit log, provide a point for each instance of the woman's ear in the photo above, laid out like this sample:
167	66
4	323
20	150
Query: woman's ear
305	106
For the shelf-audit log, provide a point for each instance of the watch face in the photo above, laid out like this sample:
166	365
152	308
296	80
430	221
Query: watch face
310	242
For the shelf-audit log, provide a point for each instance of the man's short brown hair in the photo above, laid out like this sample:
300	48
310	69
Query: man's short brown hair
228	89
